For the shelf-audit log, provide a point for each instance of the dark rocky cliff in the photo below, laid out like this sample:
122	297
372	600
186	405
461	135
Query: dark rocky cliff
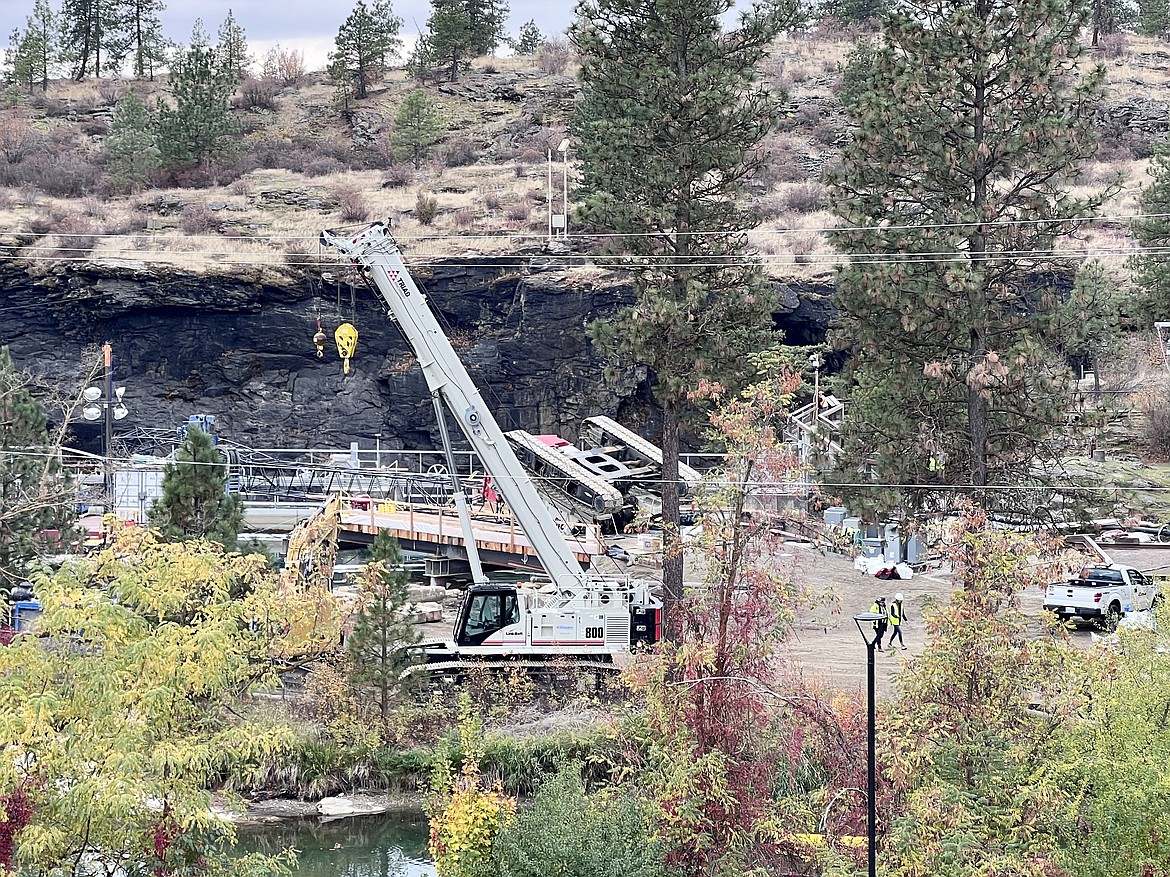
241	348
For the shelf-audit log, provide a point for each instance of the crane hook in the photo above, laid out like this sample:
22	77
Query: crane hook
346	337
319	340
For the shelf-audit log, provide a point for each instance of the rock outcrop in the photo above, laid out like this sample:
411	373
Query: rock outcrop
241	348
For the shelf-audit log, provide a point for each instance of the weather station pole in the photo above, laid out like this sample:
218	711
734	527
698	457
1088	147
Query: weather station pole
865	625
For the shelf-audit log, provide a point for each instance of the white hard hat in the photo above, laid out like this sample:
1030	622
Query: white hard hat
898	597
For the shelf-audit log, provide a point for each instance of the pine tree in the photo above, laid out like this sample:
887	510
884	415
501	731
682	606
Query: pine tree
952	193
1109	17
417	127
199	125
34	493
449	36
32	54
485	24
131	144
1151	267
854	11
233	48
20	62
195	503
381	630
364	45
529	38
143	38
669	126
1093	310
418	61
93	34
1154	17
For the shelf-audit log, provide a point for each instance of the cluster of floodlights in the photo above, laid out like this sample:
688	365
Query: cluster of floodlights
94	405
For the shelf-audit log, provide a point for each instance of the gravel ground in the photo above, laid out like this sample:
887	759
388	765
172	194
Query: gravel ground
825	645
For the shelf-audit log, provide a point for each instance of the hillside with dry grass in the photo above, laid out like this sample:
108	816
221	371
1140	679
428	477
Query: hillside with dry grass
304	164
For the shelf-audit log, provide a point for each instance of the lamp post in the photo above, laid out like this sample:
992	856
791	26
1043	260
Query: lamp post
107	405
865	622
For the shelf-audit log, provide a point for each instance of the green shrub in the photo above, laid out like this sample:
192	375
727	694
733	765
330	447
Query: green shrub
569	832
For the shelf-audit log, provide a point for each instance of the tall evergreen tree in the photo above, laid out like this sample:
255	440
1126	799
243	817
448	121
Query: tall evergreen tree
145	44
1151	266
970	123
195	503
33	54
449	36
131	144
232	48
1095	305
93	34
485	24
1154	17
1109	17
668	131
380	629
417	127
854	11
529	38
199	125
35	495
365	43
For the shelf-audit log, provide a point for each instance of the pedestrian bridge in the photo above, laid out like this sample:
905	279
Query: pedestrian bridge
435	530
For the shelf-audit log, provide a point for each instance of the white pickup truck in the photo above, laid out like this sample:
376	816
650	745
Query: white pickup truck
1102	594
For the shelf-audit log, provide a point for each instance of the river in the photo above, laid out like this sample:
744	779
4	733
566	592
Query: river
388	845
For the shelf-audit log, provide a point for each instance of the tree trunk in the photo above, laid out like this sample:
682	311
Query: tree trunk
977	404
672	554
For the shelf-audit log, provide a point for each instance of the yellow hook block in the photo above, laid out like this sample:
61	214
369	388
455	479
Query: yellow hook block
346	337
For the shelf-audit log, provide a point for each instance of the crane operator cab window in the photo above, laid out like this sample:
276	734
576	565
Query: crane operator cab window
487	612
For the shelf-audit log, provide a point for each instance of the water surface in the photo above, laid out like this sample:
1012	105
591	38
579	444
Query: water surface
387	845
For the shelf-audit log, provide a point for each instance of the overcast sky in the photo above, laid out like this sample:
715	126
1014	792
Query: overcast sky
309	25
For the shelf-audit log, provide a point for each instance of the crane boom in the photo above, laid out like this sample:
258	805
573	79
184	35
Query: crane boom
375	249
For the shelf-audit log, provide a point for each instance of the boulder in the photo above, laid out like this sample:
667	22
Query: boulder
352	805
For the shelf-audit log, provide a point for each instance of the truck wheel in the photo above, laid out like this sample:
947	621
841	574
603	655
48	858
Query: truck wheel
1108	622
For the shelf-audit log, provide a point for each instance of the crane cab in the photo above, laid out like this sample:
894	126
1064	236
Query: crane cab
510	620
488	610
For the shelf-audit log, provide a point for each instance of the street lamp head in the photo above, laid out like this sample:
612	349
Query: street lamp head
91	412
91	394
564	147
865	622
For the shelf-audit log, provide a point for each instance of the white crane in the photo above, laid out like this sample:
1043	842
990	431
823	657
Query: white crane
577	615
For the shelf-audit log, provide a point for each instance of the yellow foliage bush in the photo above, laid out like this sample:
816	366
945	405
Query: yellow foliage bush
466	817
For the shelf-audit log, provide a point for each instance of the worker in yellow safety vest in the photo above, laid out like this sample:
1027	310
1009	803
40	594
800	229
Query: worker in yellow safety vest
879	627
897	615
